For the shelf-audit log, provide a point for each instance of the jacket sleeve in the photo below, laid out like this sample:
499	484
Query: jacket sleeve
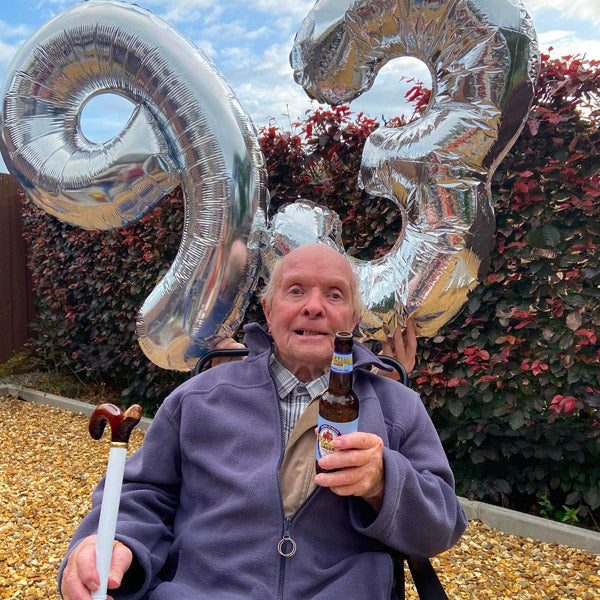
149	499
421	514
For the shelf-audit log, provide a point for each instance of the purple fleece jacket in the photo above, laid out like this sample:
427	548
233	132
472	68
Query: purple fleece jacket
201	505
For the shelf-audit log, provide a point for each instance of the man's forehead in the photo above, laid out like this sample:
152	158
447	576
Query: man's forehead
338	275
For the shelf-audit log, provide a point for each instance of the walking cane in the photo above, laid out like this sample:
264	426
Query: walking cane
121	424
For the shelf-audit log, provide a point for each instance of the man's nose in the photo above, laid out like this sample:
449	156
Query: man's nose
313	307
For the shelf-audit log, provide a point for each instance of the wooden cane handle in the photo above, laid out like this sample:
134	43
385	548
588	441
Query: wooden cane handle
121	423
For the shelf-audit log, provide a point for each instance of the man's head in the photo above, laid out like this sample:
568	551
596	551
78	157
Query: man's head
312	294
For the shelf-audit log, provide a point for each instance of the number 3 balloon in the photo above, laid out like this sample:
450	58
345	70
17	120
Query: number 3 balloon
188	128
484	62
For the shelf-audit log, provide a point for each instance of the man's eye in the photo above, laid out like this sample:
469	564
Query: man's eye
295	291
336	296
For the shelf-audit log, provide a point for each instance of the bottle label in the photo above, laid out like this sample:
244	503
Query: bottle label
341	363
327	431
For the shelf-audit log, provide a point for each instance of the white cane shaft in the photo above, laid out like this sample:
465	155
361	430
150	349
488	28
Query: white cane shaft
108	517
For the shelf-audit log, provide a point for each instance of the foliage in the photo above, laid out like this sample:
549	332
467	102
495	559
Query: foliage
563	514
89	286
320	161
19	363
512	384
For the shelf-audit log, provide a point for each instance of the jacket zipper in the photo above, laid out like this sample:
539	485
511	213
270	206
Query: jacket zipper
286	549
286	521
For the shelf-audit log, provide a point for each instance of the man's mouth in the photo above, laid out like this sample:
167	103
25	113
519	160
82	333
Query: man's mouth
308	332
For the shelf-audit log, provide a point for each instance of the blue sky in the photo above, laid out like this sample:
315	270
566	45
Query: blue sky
250	40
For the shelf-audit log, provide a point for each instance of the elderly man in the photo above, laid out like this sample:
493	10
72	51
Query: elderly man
222	500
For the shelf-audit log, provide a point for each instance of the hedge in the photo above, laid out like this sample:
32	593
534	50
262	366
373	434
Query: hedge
513	384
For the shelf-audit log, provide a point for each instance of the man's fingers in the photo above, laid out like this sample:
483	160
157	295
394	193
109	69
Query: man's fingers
352	481
80	575
360	440
72	588
121	561
227	344
405	345
408	337
85	563
346	459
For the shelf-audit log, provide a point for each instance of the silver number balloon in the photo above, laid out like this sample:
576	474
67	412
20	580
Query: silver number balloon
484	62
188	128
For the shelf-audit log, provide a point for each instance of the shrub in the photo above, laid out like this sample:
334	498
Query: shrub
89	286
514	382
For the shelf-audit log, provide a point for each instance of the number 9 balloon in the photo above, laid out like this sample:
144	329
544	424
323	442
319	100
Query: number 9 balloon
484	63
188	128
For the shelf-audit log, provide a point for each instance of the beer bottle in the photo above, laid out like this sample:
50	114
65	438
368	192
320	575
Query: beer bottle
338	404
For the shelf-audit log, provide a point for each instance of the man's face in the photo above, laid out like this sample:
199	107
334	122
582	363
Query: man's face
313	300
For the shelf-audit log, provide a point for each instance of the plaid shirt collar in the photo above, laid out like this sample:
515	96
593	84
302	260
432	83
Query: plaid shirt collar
285	381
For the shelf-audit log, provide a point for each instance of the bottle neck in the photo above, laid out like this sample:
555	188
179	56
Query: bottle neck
340	384
340	376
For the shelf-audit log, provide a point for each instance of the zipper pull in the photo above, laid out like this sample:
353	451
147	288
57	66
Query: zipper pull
286	546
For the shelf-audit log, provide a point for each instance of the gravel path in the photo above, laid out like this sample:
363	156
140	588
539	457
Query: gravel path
49	465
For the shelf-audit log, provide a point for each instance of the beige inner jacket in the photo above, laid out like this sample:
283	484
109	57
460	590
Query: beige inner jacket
298	468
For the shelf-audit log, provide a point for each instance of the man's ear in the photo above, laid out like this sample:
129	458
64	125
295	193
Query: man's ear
266	310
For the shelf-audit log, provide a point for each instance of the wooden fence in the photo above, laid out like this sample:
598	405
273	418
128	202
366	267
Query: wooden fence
16	296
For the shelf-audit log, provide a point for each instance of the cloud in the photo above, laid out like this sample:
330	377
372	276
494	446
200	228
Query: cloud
7	52
566	43
586	10
185	11
11	38
56	5
268	92
265	101
296	8
207	47
234	31
8	30
238	59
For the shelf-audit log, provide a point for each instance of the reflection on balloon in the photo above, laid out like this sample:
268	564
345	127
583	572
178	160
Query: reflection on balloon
188	129
484	62
299	223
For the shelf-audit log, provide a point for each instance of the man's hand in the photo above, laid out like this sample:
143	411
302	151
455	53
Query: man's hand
403	347
80	575
360	460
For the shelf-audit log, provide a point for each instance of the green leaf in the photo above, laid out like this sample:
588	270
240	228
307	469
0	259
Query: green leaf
516	419
592	497
456	407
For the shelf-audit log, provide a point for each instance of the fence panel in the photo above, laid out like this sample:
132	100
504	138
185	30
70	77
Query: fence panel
16	296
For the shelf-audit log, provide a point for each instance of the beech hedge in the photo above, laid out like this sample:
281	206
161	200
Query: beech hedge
89	286
512	384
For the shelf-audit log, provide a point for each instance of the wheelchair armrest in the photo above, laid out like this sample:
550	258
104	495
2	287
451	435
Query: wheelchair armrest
392	362
207	358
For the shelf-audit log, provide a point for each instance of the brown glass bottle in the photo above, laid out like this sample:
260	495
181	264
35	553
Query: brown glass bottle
338	404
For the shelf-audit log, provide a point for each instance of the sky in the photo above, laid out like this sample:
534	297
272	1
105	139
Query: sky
250	41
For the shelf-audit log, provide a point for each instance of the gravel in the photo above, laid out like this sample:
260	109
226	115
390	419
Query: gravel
49	466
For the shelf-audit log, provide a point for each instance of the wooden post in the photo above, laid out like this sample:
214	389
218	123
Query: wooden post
16	296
